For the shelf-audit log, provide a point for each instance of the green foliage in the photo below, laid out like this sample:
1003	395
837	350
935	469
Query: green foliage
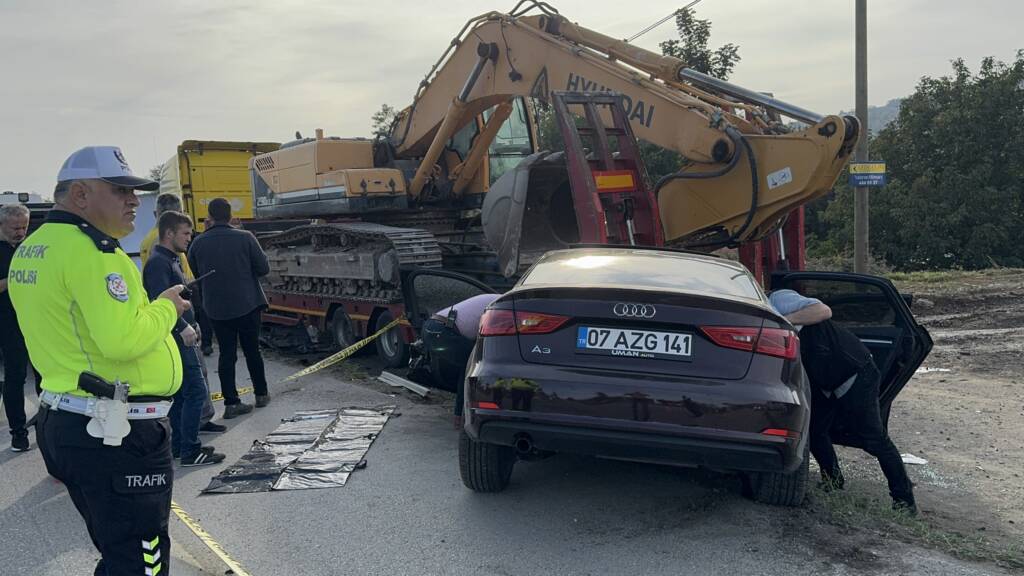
548	135
382	120
692	46
955	161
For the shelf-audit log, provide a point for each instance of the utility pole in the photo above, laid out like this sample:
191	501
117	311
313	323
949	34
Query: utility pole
861	250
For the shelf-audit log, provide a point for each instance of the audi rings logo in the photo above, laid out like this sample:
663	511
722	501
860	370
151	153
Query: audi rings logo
634	310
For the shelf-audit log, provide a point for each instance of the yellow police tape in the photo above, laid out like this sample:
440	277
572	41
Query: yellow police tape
217	396
339	356
208	540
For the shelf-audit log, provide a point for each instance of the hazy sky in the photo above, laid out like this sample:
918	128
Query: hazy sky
146	75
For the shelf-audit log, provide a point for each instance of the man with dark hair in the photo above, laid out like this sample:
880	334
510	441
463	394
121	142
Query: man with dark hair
167	202
162	271
14	220
844	383
234	300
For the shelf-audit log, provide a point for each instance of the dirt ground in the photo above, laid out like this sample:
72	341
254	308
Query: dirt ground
964	413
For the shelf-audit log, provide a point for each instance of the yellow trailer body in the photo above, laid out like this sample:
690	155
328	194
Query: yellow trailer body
203	170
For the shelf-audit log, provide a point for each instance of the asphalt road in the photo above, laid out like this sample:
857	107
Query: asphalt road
408	513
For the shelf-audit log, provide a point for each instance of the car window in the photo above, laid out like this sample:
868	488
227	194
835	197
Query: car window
646	269
853	304
436	292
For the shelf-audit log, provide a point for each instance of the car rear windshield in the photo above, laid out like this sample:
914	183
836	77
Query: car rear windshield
646	269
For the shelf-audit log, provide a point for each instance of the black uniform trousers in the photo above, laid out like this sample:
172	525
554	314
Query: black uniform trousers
15	370
860	406
122	492
244	330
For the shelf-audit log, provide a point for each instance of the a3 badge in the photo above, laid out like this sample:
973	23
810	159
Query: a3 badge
117	288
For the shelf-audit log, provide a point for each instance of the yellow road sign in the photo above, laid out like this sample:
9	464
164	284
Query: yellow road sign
867	168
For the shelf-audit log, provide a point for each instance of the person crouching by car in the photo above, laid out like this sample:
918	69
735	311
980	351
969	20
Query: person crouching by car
448	337
844	384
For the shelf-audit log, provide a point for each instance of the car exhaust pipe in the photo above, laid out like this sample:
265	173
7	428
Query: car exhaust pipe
523	445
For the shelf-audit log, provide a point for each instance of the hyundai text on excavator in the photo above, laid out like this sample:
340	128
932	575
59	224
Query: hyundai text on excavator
459	185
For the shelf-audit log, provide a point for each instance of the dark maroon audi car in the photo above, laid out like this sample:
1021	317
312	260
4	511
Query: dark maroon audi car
662	356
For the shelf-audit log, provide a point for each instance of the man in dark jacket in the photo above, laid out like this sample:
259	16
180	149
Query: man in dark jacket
14	219
844	380
163	270
234	300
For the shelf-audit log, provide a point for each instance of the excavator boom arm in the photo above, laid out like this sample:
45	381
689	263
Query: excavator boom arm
744	172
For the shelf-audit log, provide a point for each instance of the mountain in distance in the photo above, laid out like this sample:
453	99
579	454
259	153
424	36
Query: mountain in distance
880	116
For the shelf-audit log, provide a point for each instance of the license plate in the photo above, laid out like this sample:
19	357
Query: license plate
633	343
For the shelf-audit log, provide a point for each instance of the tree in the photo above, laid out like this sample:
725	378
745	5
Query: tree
955	162
382	120
692	48
155	172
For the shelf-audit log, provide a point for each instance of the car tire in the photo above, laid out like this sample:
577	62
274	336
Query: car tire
777	488
484	467
391	346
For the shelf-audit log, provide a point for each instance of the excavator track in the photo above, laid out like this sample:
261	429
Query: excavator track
355	260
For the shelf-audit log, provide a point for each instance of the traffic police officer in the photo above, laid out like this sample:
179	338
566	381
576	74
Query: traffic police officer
82	307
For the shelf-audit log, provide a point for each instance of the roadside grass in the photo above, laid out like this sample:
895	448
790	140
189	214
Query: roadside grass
850	509
953	276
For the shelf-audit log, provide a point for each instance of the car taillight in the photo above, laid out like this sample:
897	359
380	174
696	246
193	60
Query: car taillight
732	337
770	341
778	342
507	323
537	323
498	323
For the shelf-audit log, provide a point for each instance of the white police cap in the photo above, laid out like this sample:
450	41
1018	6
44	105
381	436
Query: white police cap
105	163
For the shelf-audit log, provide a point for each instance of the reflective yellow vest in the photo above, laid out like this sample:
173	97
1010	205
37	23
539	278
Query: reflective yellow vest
81	306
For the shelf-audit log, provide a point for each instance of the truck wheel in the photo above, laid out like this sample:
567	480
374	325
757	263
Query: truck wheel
779	489
484	467
341	329
391	347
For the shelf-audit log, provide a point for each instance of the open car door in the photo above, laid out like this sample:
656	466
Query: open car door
427	290
873	309
440	356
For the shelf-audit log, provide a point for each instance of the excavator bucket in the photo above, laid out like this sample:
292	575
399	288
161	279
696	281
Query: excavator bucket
529	210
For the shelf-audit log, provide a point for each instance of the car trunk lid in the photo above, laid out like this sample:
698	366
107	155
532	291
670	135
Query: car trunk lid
634	331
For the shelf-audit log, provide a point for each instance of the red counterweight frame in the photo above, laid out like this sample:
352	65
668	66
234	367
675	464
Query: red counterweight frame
764	257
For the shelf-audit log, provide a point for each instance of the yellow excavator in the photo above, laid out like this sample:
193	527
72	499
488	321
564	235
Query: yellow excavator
460	183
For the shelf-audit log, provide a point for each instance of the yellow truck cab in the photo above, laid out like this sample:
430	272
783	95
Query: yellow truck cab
205	169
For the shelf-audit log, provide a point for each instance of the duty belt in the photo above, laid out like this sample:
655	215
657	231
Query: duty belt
86	406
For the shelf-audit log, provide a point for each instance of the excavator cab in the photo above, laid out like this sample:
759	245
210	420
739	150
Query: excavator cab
593	192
